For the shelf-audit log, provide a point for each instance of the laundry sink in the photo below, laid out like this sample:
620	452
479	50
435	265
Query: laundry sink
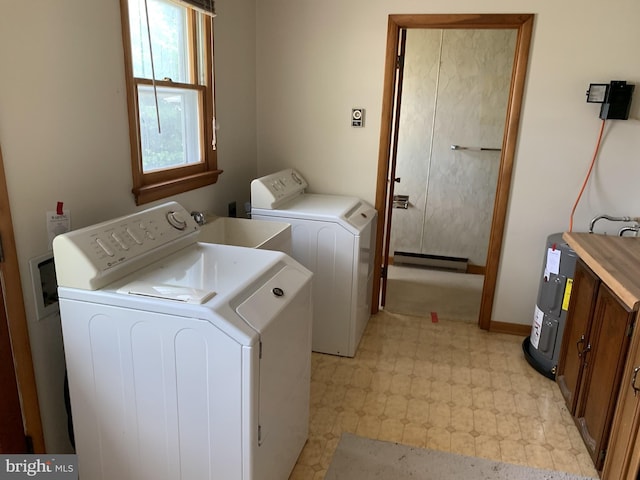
243	232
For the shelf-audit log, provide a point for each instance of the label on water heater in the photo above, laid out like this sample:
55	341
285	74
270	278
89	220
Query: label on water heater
567	294
536	328
553	263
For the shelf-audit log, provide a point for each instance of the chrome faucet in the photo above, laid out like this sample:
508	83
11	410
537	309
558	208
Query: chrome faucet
629	228
199	217
612	219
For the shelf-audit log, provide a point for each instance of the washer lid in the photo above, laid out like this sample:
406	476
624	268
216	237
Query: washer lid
178	293
320	206
351	213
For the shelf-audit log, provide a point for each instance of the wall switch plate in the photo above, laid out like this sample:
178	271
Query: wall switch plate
357	117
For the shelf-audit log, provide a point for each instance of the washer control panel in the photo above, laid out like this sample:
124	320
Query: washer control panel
273	190
83	257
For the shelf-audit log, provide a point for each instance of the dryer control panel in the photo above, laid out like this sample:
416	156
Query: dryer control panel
273	190
93	256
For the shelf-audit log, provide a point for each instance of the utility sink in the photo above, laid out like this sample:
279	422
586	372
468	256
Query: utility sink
243	232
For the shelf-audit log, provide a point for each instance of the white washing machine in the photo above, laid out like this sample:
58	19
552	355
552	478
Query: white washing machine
334	237
186	360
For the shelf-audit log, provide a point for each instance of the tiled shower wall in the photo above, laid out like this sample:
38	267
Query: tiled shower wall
455	92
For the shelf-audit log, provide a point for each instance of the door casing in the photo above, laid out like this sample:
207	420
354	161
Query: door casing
17	324
523	24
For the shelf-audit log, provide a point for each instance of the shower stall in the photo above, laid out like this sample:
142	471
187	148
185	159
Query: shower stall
455	95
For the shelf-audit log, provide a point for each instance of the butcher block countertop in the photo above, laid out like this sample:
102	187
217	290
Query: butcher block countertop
616	260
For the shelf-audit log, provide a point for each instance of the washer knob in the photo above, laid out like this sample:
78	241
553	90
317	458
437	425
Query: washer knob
176	220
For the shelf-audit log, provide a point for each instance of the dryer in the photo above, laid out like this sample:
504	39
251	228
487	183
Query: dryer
334	237
185	359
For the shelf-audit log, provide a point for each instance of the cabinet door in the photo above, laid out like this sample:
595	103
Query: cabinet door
623	452
604	363
576	332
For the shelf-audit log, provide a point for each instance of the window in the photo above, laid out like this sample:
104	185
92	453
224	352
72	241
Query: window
169	68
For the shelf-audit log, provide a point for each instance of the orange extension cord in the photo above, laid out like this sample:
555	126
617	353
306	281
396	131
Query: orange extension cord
593	161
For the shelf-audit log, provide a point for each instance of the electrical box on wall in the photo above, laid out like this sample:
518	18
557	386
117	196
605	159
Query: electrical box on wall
45	285
615	98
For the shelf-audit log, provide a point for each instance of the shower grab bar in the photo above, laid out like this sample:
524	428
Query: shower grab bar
476	149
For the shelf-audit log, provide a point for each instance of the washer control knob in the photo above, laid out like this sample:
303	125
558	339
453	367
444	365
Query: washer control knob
176	220
278	292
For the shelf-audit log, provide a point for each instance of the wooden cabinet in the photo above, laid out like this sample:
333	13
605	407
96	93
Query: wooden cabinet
592	359
576	332
604	362
623	459
602	386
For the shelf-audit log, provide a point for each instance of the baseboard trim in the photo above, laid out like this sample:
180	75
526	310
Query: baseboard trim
472	269
510	328
476	269
457	264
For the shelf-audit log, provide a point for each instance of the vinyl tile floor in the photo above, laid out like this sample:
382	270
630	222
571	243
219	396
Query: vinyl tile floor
445	386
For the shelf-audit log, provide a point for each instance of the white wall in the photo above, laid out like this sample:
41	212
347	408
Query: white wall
316	60
64	137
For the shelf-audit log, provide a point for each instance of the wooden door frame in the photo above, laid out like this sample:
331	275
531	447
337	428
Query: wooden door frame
17	323
12	437
523	24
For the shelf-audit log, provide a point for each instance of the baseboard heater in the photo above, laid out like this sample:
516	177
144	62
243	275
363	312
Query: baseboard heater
436	261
